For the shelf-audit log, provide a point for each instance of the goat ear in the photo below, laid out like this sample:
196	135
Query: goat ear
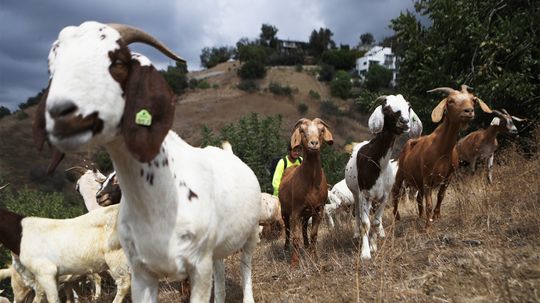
38	125
483	105
328	137
296	138
416	125
495	121
438	111
149	111
376	120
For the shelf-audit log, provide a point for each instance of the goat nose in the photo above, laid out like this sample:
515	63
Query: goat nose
469	110
404	121
314	143
63	109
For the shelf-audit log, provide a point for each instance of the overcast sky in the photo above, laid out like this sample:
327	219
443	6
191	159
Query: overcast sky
29	27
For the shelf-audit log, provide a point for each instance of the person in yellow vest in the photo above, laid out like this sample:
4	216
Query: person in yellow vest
291	159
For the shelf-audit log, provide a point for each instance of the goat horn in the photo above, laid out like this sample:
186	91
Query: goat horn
322	121
446	90
498	113
465	88
504	111
300	122
4	186
79	169
131	34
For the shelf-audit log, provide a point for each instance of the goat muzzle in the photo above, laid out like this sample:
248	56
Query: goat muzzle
70	125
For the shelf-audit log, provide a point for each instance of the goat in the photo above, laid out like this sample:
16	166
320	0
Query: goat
88	185
48	248
429	161
368	174
303	190
183	209
109	193
481	144
339	198
270	220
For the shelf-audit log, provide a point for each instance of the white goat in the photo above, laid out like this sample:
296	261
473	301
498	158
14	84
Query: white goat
339	198
183	208
88	185
368	174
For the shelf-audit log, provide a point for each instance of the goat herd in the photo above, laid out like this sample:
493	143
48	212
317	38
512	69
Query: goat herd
184	209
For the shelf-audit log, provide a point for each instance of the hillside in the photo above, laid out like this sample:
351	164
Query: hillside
22	165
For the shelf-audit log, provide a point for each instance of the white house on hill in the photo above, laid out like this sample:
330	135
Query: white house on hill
377	55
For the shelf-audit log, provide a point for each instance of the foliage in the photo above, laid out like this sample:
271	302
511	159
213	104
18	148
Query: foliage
493	46
203	84
302	108
320	41
344	59
249	86
278	89
32	100
253	52
254	140
268	36
333	163
252	69
299	68
328	109
366	39
315	95
21	115
4	111
326	73
103	161
176	77
378	77
341	85
290	57
211	57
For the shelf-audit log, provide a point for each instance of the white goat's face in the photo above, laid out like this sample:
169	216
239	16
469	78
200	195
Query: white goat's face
82	86
397	115
98	90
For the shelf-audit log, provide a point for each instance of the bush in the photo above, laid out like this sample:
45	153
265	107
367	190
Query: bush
215	86
252	70
203	85
279	90
193	83
341	85
302	108
313	94
378	77
103	161
326	73
364	102
176	77
249	86
299	68
4	111
329	108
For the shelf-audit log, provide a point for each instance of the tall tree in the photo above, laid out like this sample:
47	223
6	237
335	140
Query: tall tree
268	35
367	39
321	40
492	45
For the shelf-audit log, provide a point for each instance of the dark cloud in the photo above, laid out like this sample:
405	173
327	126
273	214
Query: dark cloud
29	28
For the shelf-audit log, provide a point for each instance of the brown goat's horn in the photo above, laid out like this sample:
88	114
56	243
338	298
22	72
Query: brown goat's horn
465	88
300	122
322	121
446	90
131	34
79	169
504	111
498	113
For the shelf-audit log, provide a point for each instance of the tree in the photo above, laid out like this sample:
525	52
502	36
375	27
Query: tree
176	77
490	45
321	40
268	36
252	69
367	39
341	85
211	57
343	59
4	111
378	77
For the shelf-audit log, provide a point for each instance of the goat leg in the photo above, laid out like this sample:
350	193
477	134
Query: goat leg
305	223
420	202
440	197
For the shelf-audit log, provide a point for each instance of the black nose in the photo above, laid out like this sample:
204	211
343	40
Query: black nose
403	120
469	110
63	109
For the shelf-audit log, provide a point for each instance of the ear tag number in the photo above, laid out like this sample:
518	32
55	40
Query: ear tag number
143	117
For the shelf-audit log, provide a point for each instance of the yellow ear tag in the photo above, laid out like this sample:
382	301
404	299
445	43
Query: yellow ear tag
143	117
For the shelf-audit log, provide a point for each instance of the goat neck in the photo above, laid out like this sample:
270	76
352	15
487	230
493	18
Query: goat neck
445	136
384	141
311	168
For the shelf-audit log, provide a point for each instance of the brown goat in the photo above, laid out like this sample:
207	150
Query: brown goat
303	190
482	143
429	161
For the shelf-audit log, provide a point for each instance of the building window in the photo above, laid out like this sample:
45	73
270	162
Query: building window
388	60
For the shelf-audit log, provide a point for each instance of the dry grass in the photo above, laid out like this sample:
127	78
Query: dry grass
486	248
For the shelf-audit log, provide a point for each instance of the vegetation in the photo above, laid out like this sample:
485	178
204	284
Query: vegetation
249	86
341	85
344	59
492	46
320	41
315	95
378	77
329	109
4	111
280	90
326	73
211	57
302	108
176	77
252	69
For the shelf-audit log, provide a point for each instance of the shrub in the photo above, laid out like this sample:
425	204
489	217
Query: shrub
203	84
313	94
193	83
364	102
329	108
249	86
378	77
103	161
302	108
252	70
215	86
176	77
326	73
299	68
341	85
279	90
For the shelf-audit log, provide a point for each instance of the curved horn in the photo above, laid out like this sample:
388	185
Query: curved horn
504	111
79	169
300	122
322	121
465	88
131	34
4	186
498	113
446	90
